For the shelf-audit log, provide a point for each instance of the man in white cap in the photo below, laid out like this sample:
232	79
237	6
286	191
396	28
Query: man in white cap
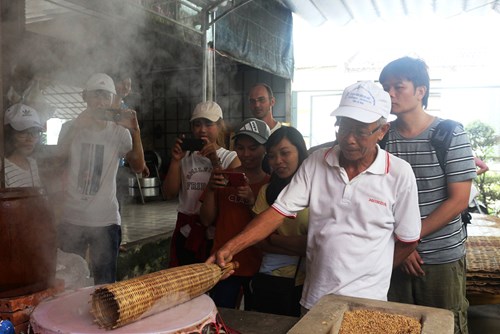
93	144
363	206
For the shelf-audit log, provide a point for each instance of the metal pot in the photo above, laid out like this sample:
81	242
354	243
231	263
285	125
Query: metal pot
146	192
145	182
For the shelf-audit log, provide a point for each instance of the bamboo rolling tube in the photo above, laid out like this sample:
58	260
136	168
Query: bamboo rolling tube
117	304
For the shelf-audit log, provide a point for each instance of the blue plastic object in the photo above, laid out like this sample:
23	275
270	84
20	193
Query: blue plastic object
6	327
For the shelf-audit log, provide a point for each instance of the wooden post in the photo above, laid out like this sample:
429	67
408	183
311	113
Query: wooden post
12	26
2	104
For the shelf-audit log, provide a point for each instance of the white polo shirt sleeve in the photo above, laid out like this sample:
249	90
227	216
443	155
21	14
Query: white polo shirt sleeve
406	210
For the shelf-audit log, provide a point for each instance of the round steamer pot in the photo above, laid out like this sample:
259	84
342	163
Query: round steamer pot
28	242
146	192
145	182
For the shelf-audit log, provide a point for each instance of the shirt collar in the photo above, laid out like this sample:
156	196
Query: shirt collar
379	166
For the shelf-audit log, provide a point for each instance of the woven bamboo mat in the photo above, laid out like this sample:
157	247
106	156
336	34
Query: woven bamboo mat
483	255
483	265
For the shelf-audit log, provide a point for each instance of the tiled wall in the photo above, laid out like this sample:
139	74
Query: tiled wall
168	97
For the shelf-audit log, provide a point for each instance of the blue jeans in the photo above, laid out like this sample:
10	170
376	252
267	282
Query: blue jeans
103	244
226	292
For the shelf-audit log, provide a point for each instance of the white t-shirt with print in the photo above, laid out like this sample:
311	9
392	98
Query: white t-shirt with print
196	170
91	177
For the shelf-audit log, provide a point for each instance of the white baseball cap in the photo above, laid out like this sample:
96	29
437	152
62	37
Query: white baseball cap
364	101
254	128
209	110
100	81
22	117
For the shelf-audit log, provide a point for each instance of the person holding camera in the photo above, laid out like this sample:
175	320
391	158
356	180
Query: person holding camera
188	173
92	147
227	204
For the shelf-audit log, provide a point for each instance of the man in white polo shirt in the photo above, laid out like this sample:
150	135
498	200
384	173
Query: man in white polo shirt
363	205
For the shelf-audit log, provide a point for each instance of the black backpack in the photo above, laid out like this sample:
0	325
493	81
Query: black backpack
440	140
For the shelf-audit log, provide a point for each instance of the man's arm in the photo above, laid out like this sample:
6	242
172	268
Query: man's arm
481	165
172	183
402	250
135	157
458	200
258	229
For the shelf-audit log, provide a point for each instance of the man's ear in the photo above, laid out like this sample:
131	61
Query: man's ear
420	92
273	101
383	130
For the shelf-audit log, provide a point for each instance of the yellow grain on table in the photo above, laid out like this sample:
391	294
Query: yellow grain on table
375	322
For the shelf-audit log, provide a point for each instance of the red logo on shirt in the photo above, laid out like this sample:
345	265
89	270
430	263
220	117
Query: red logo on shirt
377	201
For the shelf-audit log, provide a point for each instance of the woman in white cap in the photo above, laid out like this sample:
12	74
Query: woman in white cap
23	129
187	177
229	208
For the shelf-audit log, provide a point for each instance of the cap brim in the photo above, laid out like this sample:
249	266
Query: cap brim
252	135
361	115
93	89
22	127
210	118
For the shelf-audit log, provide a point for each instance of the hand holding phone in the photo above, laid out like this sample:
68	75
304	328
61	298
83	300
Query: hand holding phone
112	115
234	179
192	144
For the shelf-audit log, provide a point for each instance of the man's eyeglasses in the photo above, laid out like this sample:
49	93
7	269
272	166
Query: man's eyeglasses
261	99
356	131
31	132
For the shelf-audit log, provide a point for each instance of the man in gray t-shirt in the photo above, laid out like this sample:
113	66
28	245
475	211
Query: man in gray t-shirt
443	194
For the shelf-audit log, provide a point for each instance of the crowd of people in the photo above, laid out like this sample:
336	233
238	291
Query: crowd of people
349	218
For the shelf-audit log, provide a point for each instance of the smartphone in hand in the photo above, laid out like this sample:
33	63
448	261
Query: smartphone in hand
234	179
192	144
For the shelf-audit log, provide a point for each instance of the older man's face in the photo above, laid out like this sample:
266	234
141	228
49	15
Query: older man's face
358	140
260	102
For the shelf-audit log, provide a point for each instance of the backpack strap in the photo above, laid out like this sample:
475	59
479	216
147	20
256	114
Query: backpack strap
441	140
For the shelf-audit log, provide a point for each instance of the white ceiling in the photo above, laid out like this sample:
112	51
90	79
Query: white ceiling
342	12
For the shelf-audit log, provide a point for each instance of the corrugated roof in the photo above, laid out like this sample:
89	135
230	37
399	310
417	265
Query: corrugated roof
343	12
